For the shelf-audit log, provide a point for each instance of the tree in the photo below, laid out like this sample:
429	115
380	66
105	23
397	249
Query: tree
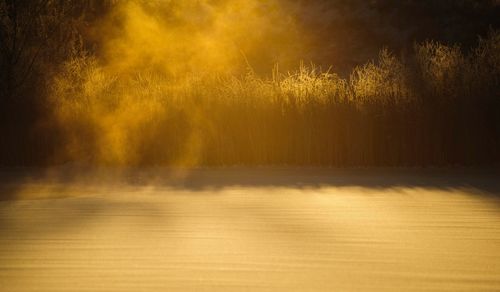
34	30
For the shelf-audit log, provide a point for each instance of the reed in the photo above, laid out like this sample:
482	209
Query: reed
439	106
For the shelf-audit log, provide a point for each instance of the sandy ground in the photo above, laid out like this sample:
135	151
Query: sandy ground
249	230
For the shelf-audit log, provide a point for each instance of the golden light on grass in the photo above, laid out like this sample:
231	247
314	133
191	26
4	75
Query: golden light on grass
187	145
190	83
157	57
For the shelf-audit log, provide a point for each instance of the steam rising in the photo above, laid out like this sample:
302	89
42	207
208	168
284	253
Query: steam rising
176	37
154	56
188	83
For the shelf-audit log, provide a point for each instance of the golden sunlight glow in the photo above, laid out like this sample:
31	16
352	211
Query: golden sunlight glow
197	83
216	239
159	59
187	36
260	145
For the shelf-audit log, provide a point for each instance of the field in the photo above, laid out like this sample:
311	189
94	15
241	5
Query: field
266	229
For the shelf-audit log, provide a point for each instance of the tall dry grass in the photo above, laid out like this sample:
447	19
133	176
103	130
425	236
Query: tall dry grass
438	106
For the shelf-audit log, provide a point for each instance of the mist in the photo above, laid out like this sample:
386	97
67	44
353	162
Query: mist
236	145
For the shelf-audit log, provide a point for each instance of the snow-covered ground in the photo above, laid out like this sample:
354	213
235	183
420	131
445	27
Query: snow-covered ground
249	229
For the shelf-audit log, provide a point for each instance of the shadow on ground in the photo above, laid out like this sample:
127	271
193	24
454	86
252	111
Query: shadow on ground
58	180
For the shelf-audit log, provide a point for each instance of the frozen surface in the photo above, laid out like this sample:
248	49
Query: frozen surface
251	230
